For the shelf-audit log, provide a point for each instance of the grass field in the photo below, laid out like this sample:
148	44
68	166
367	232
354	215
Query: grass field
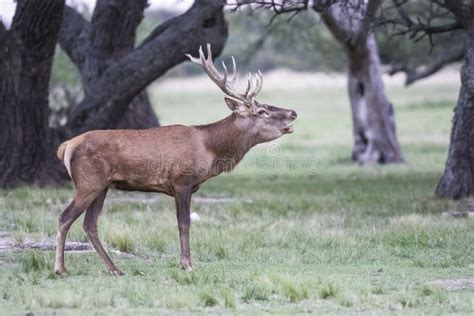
296	228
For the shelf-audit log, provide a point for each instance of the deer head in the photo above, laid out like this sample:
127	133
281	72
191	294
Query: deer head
263	121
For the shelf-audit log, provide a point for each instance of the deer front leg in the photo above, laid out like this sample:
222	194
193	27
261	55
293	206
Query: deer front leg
183	203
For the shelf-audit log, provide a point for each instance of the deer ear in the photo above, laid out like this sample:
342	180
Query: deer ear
233	105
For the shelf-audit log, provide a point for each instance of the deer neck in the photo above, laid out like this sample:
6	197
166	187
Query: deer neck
229	140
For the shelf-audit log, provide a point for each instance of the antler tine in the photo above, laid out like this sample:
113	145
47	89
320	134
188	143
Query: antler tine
196	60
233	79
209	64
260	81
225	72
209	52
249	84
201	60
258	84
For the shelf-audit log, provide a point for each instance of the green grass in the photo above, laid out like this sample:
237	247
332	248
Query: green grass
301	229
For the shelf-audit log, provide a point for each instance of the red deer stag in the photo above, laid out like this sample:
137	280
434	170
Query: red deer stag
173	160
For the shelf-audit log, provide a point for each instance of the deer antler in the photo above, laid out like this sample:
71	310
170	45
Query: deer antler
254	84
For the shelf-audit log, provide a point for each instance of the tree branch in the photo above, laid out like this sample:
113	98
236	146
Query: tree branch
368	17
414	74
278	7
415	28
339	21
73	36
3	37
113	27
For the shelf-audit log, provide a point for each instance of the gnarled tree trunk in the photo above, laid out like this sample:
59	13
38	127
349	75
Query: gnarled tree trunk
457	181
27	49
375	138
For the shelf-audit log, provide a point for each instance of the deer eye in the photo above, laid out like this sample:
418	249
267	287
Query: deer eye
262	112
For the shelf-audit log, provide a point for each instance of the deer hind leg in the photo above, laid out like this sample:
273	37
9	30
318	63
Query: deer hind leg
90	226
61	236
65	220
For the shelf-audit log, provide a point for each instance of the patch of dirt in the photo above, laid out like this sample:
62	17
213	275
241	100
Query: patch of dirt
70	246
9	244
454	284
459	214
464	209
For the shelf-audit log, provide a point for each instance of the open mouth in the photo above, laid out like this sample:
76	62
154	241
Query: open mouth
288	129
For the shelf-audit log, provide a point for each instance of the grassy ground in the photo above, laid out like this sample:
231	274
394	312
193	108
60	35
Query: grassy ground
296	228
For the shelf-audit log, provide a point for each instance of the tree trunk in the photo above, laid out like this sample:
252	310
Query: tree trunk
375	138
27	144
457	181
139	114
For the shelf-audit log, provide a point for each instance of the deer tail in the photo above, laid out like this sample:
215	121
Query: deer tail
61	150
64	154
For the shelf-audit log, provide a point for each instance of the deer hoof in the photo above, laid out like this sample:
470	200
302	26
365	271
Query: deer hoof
116	272
62	271
187	267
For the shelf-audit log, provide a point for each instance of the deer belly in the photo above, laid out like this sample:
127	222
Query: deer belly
142	187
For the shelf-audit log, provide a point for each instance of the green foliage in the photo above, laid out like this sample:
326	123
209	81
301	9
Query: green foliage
328	290
33	261
302	43
294	292
121	240
182	277
158	244
439	295
208	299
229	298
257	292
